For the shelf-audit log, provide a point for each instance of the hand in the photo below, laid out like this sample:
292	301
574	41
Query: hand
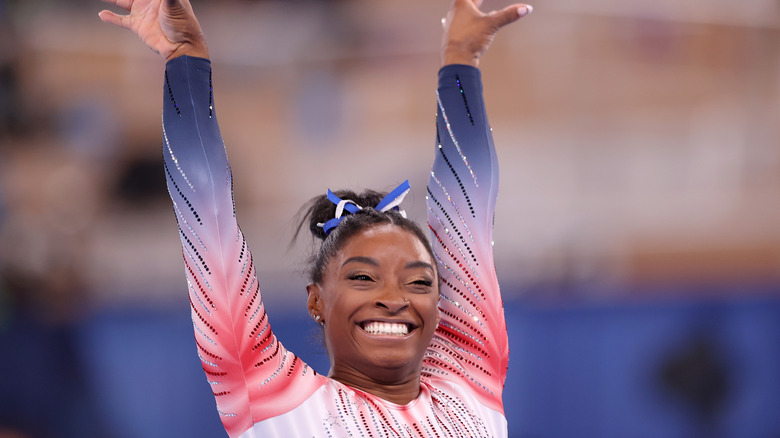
168	27
468	31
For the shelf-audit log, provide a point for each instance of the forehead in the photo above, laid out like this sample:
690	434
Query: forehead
385	243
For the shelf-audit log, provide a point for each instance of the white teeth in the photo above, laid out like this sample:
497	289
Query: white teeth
386	328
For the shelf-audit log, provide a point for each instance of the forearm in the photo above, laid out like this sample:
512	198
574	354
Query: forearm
193	148
466	151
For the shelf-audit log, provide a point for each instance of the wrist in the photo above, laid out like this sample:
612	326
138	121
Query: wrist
449	59
199	50
454	56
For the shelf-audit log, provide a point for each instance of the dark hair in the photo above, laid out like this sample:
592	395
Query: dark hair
319	210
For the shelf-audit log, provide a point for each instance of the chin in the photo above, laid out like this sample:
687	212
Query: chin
392	353
393	361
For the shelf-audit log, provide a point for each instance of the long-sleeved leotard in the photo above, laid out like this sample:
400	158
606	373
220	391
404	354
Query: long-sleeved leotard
263	390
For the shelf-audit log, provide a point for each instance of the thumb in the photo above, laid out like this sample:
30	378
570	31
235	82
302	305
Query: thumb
174	8
510	14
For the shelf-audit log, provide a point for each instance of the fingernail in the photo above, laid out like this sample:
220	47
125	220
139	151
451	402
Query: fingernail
525	10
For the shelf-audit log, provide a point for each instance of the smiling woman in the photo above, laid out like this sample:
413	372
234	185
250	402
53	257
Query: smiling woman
378	304
415	333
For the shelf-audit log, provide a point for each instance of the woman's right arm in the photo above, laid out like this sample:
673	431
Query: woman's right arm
251	375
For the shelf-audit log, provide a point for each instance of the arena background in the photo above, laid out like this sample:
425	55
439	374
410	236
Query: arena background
637	235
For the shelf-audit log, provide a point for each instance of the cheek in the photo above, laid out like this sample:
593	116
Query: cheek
340	305
429	309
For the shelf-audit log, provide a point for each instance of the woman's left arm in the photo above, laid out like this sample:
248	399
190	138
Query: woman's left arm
470	346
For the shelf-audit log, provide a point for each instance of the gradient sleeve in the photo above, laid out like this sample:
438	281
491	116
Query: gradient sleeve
470	345
250	373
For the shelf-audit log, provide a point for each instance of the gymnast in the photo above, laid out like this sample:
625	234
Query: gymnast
414	329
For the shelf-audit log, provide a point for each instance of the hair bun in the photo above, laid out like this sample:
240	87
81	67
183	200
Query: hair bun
320	210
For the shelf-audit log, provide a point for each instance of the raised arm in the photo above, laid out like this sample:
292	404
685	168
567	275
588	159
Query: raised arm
251	374
470	346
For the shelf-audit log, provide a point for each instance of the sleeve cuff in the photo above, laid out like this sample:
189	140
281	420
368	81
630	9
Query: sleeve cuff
185	60
467	72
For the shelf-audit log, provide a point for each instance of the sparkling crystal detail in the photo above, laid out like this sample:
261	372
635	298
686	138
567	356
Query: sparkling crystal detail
455	140
457	178
211	97
225	414
454	205
465	101
175	160
170	94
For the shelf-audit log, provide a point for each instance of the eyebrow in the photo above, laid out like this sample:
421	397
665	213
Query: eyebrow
360	259
419	264
374	262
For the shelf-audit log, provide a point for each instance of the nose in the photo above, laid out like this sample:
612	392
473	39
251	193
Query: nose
391	300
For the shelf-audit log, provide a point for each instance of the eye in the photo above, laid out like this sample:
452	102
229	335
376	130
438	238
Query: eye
421	285
360	277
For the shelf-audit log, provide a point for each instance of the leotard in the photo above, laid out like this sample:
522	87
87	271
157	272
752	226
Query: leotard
263	390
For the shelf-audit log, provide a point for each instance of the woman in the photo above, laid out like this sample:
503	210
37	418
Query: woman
416	337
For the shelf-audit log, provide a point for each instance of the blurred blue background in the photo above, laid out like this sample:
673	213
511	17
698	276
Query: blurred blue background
636	237
675	369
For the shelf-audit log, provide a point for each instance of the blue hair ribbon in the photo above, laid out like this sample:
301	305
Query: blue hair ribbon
389	202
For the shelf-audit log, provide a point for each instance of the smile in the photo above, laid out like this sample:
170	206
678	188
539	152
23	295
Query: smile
386	328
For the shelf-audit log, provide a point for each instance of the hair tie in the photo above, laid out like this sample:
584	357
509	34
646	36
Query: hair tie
389	202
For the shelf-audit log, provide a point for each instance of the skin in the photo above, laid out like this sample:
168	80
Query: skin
386	281
384	273
468	32
169	27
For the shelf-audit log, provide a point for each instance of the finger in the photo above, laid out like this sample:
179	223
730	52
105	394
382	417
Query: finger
510	14
124	4
112	18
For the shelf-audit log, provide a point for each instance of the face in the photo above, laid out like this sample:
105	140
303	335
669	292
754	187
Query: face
379	303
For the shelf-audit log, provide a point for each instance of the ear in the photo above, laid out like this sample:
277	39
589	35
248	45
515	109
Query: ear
438	312
313	302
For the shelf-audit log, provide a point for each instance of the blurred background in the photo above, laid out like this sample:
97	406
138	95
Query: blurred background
637	235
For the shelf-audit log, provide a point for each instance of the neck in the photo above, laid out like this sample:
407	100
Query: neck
399	390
